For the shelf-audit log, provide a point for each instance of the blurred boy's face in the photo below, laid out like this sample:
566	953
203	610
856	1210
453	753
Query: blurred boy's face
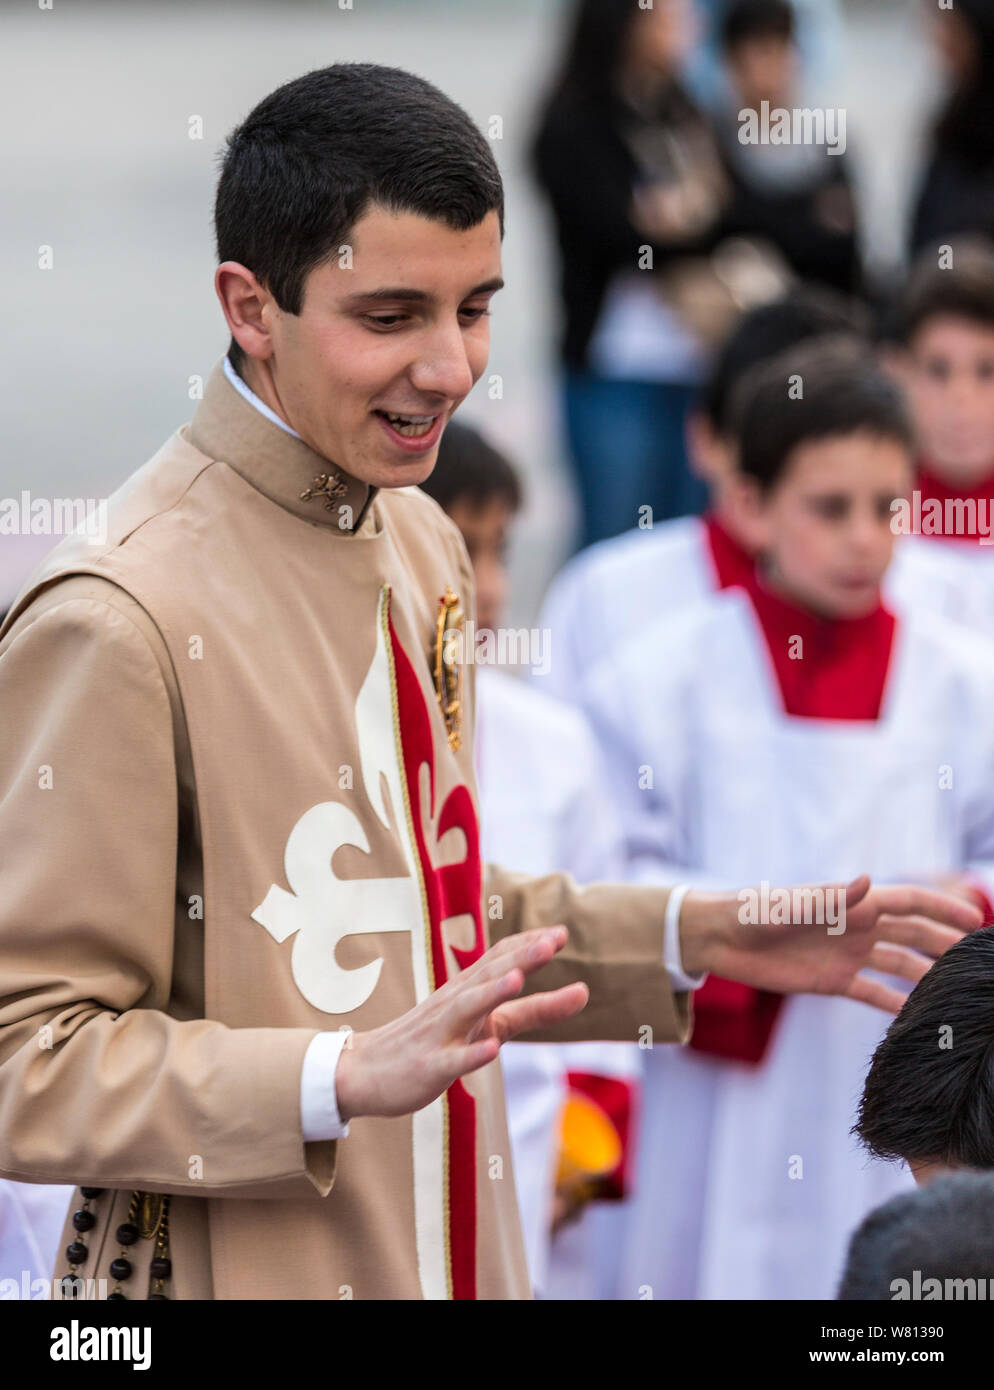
949	378
764	69
485	527
826	524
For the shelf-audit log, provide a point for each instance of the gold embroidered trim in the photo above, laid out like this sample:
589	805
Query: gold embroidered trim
447	671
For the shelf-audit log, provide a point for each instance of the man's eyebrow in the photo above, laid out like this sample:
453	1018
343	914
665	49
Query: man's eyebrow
405	295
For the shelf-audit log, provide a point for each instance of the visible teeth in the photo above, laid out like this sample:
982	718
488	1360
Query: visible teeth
410	425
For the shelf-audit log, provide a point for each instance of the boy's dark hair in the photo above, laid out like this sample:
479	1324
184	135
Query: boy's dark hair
309	160
923	1100
964	290
803	313
469	469
745	20
944	1230
825	389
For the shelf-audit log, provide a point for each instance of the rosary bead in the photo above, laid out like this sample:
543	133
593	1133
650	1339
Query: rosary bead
161	1267
127	1233
76	1253
117	1298
120	1269
83	1220
164	1297
90	1192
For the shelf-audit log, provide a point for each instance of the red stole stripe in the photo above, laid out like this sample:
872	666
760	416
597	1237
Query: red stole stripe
450	891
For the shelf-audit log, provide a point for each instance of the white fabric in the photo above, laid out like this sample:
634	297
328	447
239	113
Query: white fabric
679	979
319	1115
742	793
638	337
621	585
243	389
618	587
31	1220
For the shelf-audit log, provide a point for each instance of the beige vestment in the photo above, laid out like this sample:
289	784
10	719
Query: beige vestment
231	817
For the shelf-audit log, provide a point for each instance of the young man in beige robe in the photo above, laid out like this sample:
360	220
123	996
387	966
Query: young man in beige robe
253	977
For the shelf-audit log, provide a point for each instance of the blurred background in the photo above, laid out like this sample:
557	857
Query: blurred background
98	164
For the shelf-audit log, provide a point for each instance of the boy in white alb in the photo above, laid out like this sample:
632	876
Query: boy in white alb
791	722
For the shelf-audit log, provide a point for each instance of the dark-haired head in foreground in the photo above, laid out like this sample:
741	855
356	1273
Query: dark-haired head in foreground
358	218
936	1243
928	1097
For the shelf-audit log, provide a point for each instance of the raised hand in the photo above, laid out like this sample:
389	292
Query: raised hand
406	1064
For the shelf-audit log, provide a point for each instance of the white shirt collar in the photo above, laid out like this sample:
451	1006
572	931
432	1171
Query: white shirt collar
245	390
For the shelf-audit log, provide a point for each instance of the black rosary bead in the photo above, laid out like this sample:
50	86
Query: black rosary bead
127	1233
164	1297
76	1253
90	1192
161	1267
120	1269
84	1220
117	1298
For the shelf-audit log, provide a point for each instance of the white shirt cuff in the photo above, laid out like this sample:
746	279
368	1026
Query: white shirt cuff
680	981
319	1117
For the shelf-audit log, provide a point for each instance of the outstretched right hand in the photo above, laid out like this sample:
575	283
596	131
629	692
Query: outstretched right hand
406	1064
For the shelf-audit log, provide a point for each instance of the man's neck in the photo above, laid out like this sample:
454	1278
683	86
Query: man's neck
247	386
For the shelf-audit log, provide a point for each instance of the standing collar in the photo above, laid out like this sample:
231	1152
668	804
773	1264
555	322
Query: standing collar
241	431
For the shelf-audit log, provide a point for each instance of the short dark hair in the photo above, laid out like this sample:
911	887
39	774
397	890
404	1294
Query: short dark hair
745	20
309	160
944	1230
965	289
926	1102
805	312
843	392
469	469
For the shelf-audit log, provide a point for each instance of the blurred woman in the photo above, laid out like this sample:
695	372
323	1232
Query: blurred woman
957	193
636	188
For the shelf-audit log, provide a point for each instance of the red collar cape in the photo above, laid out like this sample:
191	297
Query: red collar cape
841	674
934	489
731	562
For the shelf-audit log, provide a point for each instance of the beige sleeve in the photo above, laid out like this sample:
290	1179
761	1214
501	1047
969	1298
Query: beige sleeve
615	946
98	1083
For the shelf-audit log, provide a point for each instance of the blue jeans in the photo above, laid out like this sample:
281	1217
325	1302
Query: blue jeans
626	441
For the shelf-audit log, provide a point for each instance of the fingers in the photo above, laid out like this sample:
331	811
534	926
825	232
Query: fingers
920	933
857	891
906	899
873	992
463	1060
528	951
469	1007
540	1010
899	960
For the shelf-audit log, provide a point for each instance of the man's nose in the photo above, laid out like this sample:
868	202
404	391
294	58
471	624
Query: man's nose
443	365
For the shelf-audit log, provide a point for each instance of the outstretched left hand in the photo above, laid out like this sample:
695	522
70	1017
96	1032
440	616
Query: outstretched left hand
896	929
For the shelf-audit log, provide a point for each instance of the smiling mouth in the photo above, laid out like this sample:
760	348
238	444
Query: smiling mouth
411	426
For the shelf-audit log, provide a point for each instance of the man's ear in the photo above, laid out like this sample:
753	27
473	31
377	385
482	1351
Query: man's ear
246	308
